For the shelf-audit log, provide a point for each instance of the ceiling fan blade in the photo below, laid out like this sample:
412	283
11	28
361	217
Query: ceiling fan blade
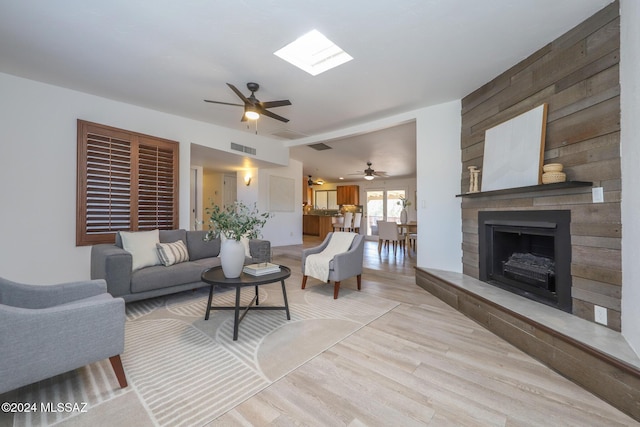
223	103
273	104
237	92
272	115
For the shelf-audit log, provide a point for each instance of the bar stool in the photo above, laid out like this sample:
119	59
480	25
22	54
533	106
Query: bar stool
357	219
337	222
348	221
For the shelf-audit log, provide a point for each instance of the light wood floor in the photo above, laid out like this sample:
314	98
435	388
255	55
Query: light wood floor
422	363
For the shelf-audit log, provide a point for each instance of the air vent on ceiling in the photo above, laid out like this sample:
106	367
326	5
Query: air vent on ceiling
320	146
243	148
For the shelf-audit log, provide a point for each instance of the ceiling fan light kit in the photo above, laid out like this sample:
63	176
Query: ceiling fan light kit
251	114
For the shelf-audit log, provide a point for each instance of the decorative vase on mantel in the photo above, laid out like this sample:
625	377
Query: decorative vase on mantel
232	258
403	216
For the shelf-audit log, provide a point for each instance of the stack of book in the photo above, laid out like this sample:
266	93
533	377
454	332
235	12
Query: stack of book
261	268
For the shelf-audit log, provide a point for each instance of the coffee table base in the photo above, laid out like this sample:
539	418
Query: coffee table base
237	317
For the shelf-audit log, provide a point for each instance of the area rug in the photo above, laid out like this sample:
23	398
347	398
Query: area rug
187	371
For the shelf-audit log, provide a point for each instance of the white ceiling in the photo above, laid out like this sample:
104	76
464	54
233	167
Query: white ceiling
170	55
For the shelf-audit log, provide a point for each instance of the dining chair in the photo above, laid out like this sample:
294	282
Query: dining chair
412	235
388	233
413	241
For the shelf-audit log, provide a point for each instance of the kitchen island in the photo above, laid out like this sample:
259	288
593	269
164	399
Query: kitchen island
317	225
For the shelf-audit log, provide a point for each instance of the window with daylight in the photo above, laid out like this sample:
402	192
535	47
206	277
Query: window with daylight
125	182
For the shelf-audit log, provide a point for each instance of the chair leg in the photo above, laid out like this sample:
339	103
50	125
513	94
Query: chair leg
116	364
304	281
336	288
359	277
379	246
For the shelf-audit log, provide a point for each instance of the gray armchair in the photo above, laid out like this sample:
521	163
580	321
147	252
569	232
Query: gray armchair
49	330
342	266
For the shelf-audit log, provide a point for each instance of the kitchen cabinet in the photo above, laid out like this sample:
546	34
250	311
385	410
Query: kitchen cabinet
348	194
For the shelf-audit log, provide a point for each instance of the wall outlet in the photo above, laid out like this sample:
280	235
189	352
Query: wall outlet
597	194
600	314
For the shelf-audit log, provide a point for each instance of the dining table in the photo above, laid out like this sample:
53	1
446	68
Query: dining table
406	228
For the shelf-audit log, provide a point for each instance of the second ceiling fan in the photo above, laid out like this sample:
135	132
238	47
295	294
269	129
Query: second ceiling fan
253	107
370	173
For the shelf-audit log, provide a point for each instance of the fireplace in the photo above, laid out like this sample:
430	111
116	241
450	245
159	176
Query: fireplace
528	253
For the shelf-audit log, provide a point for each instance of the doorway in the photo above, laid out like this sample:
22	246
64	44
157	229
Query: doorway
382	205
230	189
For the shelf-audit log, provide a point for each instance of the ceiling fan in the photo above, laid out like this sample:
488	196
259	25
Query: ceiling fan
369	173
311	182
253	107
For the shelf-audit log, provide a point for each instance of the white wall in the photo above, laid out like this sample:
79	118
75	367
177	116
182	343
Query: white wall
38	171
630	156
438	180
283	228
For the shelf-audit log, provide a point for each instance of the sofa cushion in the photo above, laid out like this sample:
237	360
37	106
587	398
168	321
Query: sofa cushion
158	277
172	253
206	263
170	236
199	248
142	246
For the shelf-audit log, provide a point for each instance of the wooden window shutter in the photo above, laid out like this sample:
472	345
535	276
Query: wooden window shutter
157	186
126	182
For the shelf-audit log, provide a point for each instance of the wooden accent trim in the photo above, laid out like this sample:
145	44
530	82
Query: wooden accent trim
530	189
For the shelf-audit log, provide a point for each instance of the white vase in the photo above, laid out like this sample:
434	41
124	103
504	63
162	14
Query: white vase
403	216
232	258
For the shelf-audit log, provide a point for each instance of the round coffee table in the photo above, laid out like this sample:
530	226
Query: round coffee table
215	277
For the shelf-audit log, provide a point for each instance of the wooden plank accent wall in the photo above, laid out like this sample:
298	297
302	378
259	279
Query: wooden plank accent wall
577	75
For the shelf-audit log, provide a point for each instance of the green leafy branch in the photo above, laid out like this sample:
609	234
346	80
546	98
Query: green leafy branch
235	221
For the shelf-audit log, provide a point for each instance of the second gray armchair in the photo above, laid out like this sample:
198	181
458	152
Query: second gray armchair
341	266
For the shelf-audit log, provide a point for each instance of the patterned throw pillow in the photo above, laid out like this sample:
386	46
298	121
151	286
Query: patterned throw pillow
172	253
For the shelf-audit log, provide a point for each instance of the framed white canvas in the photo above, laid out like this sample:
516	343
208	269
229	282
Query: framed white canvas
514	150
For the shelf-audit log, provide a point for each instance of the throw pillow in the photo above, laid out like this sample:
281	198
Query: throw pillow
172	253
244	240
142	246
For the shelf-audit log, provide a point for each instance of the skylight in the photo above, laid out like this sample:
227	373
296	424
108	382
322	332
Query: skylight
313	53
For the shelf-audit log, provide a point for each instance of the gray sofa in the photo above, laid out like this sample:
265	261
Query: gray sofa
113	264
